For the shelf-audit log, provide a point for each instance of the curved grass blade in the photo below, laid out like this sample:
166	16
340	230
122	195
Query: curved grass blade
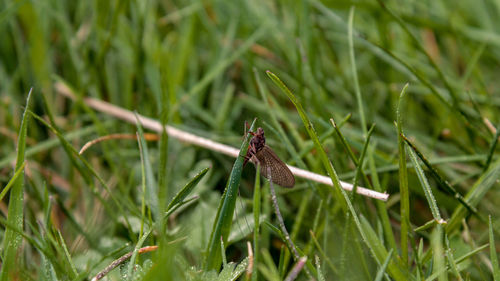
224	63
491	151
381	271
322	253
457	261
352	59
426	187
273	113
313	135
442	182
493	252
186	190
51	143
12	181
475	195
439	264
139	244
225	212
256	218
151	195
73	155
403	182
381	206
12	239
320	276
396	270
401	64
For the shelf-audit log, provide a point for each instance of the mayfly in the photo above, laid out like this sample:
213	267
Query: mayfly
270	165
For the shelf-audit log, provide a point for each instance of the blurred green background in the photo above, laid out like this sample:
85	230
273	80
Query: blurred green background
200	66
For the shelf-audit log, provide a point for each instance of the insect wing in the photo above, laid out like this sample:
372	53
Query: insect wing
280	174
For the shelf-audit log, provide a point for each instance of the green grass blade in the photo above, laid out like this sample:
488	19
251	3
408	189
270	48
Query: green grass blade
11	245
67	257
382	269
493	252
396	269
50	143
313	135
475	195
352	59
186	190
281	264
256	218
139	244
381	206
425	185
471	253
491	151
451	259
151	186
403	182
273	113
464	257
143	186
442	182
269	270
12	181
320	275
222	65
225	212
322	253
369	238
439	264
419	45
163	175
180	204
73	155
359	168
358	162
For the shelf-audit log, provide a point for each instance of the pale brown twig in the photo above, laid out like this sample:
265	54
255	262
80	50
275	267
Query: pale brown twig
156	126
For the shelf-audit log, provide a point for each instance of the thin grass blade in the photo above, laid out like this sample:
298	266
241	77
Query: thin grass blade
73	155
370	241
475	195
12	181
438	252
426	187
442	182
186	190
151	186
383	268
403	182
12	240
493	252
352	59
225	212
381	206
256	231
313	135
396	270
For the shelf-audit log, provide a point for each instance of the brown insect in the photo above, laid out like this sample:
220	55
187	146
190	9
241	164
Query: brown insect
271	167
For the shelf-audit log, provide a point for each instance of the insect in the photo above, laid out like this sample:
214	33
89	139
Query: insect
271	167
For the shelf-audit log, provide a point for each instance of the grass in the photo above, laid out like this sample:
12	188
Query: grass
398	97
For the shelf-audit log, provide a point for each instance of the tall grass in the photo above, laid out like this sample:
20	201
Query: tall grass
412	86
